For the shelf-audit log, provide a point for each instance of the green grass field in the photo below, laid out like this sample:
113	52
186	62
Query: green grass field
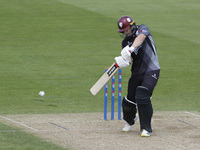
13	139
63	46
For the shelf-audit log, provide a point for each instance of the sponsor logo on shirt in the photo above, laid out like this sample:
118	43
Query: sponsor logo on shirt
144	31
154	76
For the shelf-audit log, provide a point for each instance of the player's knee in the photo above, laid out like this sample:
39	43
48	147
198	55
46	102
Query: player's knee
142	95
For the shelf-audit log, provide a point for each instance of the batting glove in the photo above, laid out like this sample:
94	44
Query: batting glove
126	52
122	62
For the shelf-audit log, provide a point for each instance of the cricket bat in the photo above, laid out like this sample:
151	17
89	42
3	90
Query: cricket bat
104	79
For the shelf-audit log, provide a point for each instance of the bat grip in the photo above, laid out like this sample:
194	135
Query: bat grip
116	65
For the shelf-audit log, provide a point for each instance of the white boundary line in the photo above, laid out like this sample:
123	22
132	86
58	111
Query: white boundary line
18	123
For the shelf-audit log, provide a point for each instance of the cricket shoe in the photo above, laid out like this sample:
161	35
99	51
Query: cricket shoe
145	133
128	127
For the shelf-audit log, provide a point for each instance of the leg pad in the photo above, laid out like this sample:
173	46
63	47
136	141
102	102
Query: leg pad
129	110
145	108
142	95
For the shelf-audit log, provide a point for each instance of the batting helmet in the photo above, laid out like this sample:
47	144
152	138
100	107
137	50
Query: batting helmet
124	22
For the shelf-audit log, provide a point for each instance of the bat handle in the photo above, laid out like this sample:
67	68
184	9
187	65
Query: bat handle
116	65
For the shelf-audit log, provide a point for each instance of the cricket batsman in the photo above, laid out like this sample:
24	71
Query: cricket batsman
138	48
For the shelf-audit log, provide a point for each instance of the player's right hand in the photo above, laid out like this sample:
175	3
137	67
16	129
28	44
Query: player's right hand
126	52
122	62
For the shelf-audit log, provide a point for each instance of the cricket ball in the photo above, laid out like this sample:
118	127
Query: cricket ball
41	93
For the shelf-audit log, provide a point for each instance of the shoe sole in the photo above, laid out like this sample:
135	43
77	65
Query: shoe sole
145	135
127	130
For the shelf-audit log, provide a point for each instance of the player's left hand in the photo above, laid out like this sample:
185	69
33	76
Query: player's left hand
121	62
126	52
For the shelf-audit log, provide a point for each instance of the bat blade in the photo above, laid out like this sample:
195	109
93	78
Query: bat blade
104	79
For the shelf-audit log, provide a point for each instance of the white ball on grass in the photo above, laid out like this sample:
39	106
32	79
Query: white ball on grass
41	93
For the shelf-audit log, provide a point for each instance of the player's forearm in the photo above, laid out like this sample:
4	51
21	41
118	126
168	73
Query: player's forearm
138	40
126	51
